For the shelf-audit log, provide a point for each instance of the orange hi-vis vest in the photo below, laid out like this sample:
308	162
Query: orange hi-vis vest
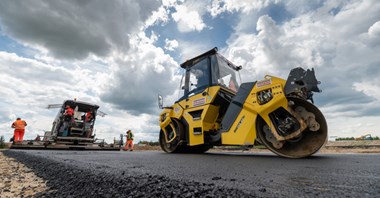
19	124
70	112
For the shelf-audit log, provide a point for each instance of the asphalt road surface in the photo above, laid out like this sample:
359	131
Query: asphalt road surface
233	174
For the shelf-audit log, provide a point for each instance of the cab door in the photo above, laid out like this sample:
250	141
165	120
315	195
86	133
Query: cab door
198	112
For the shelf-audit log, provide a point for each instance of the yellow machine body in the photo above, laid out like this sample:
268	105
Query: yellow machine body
242	132
272	111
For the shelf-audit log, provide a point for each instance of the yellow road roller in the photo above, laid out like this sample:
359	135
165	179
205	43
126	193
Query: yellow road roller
215	109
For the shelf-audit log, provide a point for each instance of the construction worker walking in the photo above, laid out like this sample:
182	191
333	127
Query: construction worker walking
19	126
129	144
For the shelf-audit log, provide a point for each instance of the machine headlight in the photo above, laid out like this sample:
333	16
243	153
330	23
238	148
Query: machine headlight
264	96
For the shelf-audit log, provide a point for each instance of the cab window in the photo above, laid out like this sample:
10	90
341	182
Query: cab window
227	75
199	77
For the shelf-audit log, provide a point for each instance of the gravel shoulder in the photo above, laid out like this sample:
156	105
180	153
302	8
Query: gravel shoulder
18	180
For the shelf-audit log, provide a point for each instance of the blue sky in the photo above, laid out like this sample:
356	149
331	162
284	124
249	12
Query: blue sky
121	54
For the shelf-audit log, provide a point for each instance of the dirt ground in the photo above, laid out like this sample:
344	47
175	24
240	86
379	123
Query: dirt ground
350	150
18	180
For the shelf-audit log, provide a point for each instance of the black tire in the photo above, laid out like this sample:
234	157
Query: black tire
310	141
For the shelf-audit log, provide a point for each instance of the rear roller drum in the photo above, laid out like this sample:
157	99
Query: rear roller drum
306	144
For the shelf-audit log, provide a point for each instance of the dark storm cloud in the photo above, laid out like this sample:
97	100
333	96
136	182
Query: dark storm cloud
134	104
3	114
337	83
143	75
74	29
137	95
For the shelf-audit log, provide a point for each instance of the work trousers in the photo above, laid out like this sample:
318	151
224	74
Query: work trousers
18	135
129	145
68	120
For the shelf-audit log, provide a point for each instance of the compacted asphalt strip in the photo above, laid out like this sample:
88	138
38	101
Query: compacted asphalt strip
213	174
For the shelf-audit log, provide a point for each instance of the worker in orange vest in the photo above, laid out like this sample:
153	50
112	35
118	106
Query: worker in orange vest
129	144
69	112
19	126
68	118
87	123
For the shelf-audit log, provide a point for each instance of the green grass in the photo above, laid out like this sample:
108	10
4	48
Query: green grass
2	142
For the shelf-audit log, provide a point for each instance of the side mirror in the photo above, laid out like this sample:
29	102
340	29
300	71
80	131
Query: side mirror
160	102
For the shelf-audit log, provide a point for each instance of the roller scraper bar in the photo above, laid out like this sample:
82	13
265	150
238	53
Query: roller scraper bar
302	83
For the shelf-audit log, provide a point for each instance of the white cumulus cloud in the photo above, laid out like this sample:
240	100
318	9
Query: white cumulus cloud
170	44
219	6
188	20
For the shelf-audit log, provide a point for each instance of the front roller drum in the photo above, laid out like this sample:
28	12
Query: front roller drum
175	145
306	144
175	129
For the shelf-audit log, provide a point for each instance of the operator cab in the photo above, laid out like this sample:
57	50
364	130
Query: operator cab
210	69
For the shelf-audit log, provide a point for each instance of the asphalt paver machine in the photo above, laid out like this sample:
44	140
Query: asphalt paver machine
77	132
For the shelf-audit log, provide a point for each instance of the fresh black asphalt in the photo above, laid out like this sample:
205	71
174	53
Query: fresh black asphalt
233	174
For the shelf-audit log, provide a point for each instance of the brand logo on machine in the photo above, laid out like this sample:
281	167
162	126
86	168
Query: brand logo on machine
238	125
199	102
263	83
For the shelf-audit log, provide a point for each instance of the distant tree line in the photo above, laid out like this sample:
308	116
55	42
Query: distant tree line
345	138
150	143
352	138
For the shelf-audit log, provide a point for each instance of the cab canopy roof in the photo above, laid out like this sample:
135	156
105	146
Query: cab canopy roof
82	106
193	61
